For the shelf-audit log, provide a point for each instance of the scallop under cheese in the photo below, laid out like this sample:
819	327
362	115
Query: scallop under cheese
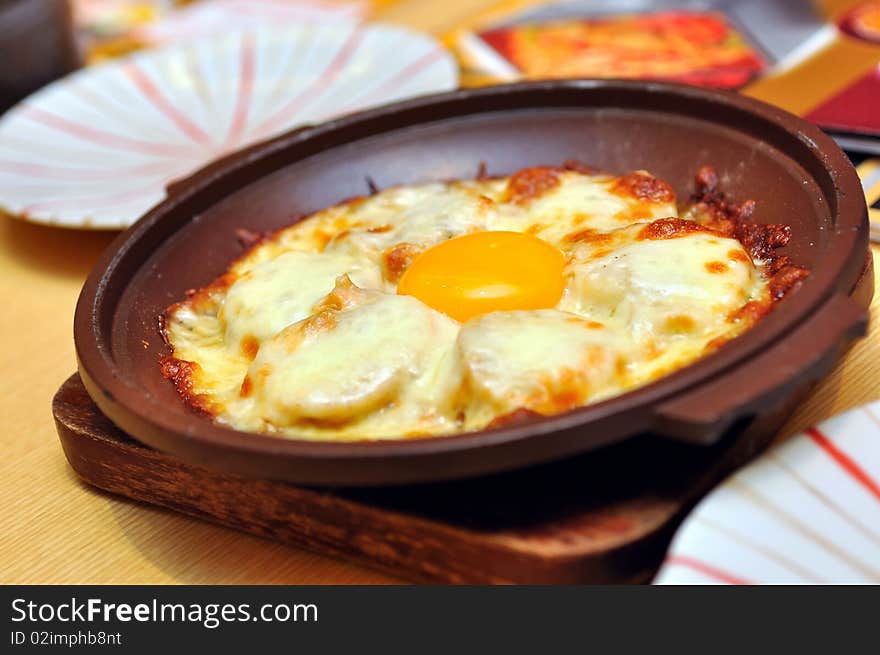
452	306
275	293
544	361
686	285
361	365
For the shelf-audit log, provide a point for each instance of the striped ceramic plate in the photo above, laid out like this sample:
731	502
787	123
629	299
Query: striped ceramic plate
97	148
808	511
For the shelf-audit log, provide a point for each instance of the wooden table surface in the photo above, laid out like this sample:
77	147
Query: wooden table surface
57	530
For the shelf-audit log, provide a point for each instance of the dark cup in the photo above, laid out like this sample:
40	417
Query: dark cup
37	46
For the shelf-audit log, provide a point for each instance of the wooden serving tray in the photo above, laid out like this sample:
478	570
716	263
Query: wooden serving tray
603	517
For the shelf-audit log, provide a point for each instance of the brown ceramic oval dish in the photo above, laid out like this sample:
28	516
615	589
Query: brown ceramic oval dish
797	175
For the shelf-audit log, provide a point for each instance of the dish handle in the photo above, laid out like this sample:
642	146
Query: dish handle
703	414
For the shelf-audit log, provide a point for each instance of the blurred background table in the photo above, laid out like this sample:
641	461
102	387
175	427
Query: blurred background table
57	530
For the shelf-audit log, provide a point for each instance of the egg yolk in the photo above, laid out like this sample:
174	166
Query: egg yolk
486	272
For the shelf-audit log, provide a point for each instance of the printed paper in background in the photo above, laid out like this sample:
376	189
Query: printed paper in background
856	107
817	59
694	47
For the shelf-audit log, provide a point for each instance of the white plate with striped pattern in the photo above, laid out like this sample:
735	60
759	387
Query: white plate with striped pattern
806	512
97	149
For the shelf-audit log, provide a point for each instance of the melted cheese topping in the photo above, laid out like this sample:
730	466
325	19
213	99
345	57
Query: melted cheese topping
659	288
546	361
306	335
275	293
357	370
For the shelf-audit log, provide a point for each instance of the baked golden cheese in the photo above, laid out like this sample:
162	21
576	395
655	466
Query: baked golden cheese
448	307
